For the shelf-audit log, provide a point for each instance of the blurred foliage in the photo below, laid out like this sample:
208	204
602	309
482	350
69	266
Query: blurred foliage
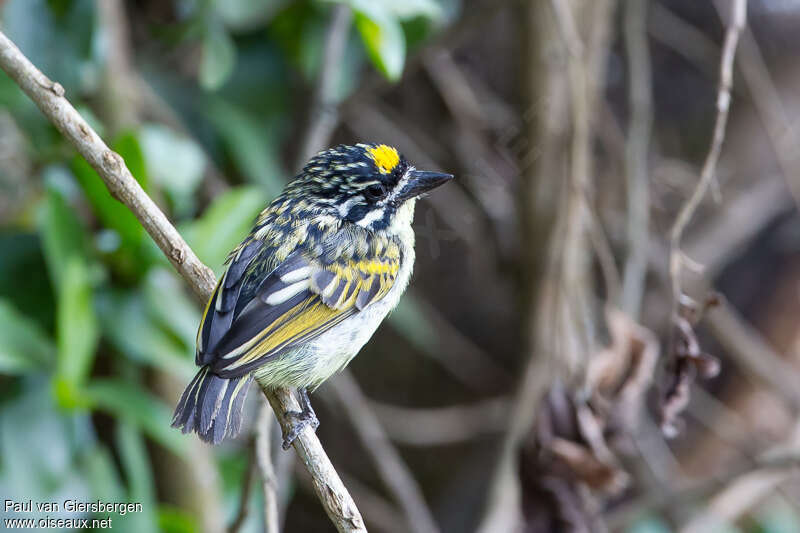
97	333
90	311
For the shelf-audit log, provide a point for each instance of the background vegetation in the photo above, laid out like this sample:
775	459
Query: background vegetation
520	382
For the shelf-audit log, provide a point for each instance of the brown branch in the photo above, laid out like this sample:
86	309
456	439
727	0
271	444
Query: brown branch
686	357
636	149
269	481
738	17
247	488
438	426
49	97
392	470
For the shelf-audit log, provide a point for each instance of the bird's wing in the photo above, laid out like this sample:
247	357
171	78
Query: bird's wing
299	300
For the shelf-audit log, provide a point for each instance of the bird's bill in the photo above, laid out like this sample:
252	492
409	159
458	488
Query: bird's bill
422	181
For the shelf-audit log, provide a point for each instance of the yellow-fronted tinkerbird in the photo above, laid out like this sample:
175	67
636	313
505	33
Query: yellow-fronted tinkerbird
322	267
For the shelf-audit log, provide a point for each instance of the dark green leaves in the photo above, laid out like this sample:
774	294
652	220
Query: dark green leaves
219	57
112	213
77	332
224	224
383	38
128	402
379	24
24	346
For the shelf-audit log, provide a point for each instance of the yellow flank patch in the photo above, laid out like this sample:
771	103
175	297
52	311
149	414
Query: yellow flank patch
385	157
366	266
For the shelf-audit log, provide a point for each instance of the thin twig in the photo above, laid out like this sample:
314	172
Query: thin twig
119	98
737	22
269	481
752	353
697	490
443	425
49	97
247	487
393	471
636	149
685	355
379	512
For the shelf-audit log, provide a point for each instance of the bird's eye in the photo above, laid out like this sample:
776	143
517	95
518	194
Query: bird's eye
374	192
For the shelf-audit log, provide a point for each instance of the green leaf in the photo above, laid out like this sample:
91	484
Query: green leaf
126	401
246	14
101	473
383	37
175	163
111	213
135	463
408	9
219	56
170	305
250	144
38	445
127	145
23	277
59	44
130	327
77	332
63	235
174	520
24	347
127	254
224	224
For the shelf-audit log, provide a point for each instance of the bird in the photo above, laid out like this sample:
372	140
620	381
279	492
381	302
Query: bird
324	264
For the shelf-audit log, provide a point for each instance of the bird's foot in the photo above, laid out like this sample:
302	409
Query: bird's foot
300	419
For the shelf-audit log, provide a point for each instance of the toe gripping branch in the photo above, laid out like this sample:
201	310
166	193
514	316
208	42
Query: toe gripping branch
300	419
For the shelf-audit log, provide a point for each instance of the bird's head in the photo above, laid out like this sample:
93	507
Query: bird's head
365	184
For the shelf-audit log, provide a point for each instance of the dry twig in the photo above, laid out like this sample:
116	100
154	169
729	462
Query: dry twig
247	487
636	151
49	97
269	481
393	471
684	351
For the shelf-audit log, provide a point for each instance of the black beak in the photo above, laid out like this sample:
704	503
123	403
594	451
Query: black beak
421	181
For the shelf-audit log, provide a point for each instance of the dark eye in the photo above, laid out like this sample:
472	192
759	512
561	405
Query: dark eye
374	192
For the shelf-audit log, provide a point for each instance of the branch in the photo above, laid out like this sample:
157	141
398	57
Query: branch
443	426
686	357
636	147
247	487
392	470
49	97
738	17
269	481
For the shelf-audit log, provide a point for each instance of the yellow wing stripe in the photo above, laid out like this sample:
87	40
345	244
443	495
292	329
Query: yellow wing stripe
354	284
293	326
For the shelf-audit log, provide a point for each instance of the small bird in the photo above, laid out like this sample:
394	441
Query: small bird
324	264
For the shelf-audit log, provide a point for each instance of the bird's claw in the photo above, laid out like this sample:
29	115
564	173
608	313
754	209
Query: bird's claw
299	420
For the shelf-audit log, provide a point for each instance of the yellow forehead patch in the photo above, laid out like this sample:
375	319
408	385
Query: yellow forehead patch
385	157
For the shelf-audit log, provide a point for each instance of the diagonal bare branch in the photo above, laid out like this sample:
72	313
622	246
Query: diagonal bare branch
49	97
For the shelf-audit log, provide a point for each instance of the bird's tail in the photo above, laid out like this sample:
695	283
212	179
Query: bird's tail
211	406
